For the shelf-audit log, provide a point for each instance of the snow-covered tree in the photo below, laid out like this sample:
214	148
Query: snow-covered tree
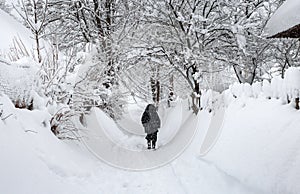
35	16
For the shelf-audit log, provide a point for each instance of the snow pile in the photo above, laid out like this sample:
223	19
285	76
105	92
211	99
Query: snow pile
211	100
284	89
287	16
259	145
260	137
292	82
14	37
33	160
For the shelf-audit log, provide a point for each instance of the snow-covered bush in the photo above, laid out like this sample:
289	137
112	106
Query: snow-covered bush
33	85
239	90
284	89
211	100
292	81
56	88
17	80
266	89
257	89
91	89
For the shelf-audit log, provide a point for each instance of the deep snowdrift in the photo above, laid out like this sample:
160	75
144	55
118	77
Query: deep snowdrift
256	152
259	144
33	160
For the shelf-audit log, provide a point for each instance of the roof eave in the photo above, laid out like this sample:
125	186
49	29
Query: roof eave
293	32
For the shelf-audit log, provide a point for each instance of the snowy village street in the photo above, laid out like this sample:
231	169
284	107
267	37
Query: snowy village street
149	97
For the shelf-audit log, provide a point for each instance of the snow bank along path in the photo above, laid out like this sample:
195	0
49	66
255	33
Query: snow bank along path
259	145
103	144
40	163
213	132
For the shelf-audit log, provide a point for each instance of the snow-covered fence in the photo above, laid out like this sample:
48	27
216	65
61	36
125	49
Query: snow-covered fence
287	89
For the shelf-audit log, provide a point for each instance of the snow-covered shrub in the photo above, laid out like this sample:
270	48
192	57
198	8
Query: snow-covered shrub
284	89
211	100
266	88
276	87
91	88
17	80
5	7
292	81
256	89
239	90
56	87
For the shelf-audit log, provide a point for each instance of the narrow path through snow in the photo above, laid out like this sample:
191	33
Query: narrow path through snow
103	146
187	174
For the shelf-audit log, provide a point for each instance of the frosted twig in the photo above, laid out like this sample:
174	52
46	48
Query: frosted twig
30	131
4	118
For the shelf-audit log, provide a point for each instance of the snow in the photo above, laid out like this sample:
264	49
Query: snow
287	16
131	122
244	140
251	153
23	73
14	31
258	147
283	89
121	148
35	161
238	30
293	81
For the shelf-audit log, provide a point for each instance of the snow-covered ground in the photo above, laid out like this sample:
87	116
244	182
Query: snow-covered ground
255	153
247	144
15	35
37	162
259	144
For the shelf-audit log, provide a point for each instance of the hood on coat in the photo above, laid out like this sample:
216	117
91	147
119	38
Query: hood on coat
150	108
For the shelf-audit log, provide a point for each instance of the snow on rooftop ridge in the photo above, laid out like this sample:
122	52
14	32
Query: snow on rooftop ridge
285	17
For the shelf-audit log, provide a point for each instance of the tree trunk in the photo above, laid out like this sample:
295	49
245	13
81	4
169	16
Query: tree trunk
37	41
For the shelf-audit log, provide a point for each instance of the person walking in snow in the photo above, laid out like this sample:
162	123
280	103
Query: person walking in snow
151	123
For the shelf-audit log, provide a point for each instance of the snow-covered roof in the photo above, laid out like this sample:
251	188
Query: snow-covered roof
286	17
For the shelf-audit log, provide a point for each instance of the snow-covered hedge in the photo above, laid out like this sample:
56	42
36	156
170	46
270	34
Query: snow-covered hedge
286	89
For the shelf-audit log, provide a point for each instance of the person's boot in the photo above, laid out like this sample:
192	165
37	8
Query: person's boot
149	145
153	145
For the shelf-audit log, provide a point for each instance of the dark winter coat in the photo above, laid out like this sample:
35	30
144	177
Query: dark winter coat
150	119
